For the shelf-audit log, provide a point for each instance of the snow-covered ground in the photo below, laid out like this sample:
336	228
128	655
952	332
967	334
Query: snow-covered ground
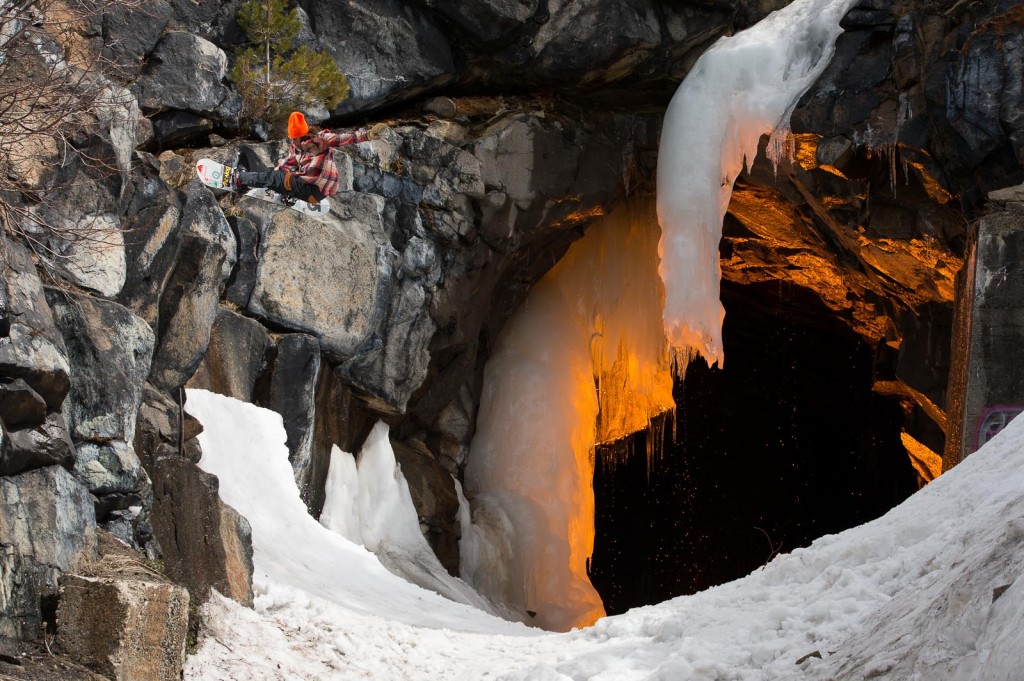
930	591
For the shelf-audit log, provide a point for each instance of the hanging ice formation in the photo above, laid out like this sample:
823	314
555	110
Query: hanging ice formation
743	87
587	341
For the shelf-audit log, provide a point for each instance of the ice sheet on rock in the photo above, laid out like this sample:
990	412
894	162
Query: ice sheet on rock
369	503
744	86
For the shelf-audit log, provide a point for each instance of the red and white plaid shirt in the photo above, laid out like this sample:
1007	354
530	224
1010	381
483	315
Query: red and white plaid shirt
312	158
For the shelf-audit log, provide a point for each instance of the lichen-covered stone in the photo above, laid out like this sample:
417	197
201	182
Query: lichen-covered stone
109	350
127	628
35	349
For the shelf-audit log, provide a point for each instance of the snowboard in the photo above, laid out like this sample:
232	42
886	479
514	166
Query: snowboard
218	176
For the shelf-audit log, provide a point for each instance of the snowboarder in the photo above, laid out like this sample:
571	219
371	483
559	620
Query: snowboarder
308	173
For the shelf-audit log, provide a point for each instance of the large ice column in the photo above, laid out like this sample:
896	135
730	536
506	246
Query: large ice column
587	341
743	87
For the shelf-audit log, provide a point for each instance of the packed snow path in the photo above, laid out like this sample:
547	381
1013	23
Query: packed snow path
929	591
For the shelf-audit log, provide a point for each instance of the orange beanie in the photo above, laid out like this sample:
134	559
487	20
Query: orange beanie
297	126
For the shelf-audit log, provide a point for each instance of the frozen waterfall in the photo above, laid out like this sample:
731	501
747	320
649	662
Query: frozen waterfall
585	360
744	87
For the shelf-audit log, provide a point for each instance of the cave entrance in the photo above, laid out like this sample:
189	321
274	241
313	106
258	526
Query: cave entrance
786	444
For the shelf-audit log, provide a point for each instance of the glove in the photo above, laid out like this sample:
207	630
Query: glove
376	131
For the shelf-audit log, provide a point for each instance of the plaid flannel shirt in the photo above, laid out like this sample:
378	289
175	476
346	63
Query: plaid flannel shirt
312	158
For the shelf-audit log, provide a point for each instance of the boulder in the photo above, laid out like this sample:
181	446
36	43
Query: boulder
47	527
389	50
235	357
184	72
206	543
109	350
392	367
203	217
190	300
243	280
127	628
47	444
35	350
20	405
328	278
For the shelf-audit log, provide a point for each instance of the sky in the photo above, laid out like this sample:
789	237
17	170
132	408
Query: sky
929	591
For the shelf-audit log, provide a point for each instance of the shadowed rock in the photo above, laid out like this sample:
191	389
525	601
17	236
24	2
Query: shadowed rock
206	543
235	357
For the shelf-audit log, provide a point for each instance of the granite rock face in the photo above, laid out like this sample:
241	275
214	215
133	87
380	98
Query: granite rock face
183	72
33	349
47	528
235	358
388	308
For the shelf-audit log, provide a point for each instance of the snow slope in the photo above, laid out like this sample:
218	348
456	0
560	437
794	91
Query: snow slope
929	591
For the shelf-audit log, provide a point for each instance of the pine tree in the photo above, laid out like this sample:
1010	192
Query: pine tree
272	75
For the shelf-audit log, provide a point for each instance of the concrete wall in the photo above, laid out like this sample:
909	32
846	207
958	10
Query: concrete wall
986	386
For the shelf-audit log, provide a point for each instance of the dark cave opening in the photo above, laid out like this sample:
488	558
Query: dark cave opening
786	444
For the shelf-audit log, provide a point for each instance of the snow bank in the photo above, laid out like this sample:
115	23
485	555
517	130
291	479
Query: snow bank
932	590
743	87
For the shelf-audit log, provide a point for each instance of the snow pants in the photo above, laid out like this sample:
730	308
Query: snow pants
285	184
